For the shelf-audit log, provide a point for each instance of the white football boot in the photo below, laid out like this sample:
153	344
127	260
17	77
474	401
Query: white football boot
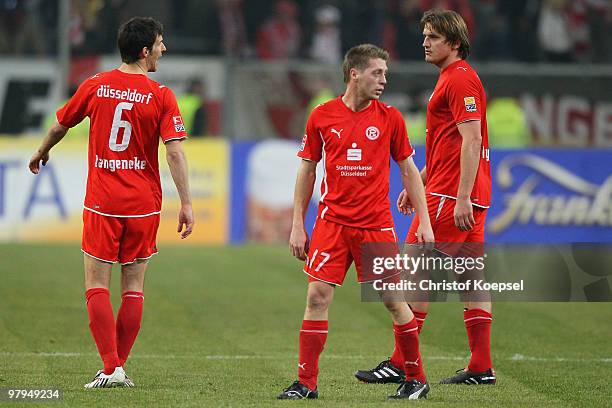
101	380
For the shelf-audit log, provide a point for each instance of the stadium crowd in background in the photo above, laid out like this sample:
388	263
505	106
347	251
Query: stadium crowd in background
508	30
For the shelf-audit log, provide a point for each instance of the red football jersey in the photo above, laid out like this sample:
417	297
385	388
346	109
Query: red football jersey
356	148
128	114
458	97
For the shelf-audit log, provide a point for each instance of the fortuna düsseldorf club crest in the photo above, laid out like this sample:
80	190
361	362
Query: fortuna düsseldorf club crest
372	132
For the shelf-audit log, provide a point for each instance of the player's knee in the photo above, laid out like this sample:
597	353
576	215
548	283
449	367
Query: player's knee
317	302
394	307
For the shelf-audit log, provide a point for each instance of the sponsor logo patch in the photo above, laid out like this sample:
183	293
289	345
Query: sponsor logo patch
353	154
179	126
470	103
303	145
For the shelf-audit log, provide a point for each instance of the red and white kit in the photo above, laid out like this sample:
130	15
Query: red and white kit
457	98
128	114
356	148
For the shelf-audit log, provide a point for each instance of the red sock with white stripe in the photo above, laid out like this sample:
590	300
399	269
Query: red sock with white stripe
478	326
396	358
407	339
312	341
102	325
128	323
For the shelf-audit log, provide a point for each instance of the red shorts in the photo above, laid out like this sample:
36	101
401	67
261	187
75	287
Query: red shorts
119	239
441	213
334	247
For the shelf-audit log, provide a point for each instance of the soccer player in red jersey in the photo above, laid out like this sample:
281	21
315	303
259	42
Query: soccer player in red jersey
457	179
128	114
355	135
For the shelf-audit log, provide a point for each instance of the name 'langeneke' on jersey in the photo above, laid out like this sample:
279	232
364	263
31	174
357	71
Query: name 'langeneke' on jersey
128	114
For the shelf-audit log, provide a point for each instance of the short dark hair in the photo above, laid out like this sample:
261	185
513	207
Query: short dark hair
135	34
452	26
359	57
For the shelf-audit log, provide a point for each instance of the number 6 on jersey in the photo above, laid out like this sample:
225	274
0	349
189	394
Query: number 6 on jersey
117	124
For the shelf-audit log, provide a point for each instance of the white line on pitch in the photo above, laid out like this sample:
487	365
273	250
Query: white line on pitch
515	357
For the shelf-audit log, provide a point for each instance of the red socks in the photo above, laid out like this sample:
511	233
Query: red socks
396	358
407	340
102	325
128	323
478	326
114	342
312	340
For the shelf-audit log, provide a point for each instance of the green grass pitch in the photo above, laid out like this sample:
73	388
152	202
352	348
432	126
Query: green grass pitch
220	328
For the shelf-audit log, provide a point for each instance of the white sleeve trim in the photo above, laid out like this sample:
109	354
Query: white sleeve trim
468	120
175	138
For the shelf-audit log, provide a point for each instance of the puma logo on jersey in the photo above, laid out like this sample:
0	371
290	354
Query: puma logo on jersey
463	68
302	366
414	363
337	132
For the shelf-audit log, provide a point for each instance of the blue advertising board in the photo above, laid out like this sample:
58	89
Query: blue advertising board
538	195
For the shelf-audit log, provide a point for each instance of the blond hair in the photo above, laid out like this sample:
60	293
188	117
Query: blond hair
359	58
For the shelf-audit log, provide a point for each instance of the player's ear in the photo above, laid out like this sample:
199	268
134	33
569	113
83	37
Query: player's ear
144	53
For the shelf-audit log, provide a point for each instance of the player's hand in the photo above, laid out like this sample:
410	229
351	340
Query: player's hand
404	205
185	221
37	157
425	236
464	214
298	243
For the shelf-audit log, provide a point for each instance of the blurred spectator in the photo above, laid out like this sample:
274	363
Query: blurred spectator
506	123
405	39
522	16
87	34
491	43
326	44
519	30
463	7
280	36
191	105
226	29
321	93
554	31
597	27
363	22
108	17
22	31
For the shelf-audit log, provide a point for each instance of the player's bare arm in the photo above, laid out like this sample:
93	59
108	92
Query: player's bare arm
54	135
404	205
304	185
413	184
470	157
177	163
